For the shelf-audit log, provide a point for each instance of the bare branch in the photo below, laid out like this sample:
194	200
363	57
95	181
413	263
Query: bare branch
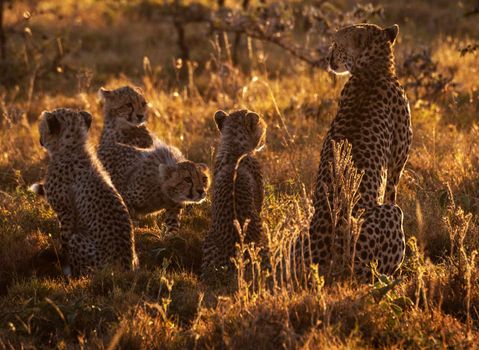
470	48
3	39
473	12
272	23
237	40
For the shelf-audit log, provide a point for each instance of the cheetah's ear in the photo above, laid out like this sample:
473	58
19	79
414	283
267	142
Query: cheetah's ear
392	33
220	117
103	94
52	123
87	117
138	90
252	119
203	167
165	171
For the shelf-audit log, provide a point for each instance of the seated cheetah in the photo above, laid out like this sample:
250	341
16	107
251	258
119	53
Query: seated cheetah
95	225
237	187
374	117
149	174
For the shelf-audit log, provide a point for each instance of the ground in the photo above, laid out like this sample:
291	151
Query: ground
60	53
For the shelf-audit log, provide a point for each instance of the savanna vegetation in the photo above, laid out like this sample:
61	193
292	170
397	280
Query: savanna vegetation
192	58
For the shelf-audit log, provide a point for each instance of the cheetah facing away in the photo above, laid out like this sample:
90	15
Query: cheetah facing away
94	222
149	174
374	117
235	197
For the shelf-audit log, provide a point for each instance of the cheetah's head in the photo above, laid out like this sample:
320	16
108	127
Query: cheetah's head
185	182
63	127
242	131
124	107
361	46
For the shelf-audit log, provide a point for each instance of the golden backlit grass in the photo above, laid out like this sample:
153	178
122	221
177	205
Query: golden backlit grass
434	300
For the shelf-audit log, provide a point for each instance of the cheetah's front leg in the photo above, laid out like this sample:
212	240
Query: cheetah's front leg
395	170
172	220
67	230
394	174
83	254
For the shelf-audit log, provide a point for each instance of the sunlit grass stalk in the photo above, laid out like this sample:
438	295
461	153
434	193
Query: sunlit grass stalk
342	198
457	224
470	267
419	268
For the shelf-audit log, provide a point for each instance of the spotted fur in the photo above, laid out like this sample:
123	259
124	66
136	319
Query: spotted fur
95	225
237	187
374	117
154	177
125	111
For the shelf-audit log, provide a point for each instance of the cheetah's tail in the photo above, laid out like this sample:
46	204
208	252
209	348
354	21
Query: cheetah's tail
38	189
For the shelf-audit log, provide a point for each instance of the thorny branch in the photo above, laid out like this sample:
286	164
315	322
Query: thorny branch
2	33
273	23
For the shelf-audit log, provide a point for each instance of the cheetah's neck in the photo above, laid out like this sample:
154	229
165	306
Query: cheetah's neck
382	66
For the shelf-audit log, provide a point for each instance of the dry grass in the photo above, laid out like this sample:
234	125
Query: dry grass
432	303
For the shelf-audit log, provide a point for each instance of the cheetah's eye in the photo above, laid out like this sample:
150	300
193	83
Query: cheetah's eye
129	105
188	179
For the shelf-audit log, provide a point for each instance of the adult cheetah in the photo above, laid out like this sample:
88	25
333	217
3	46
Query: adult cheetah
374	117
149	174
95	225
237	187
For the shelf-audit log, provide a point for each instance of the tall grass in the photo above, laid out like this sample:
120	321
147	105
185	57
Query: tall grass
432	302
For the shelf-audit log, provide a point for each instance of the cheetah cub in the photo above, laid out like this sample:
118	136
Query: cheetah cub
125	112
149	174
237	187
95	225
